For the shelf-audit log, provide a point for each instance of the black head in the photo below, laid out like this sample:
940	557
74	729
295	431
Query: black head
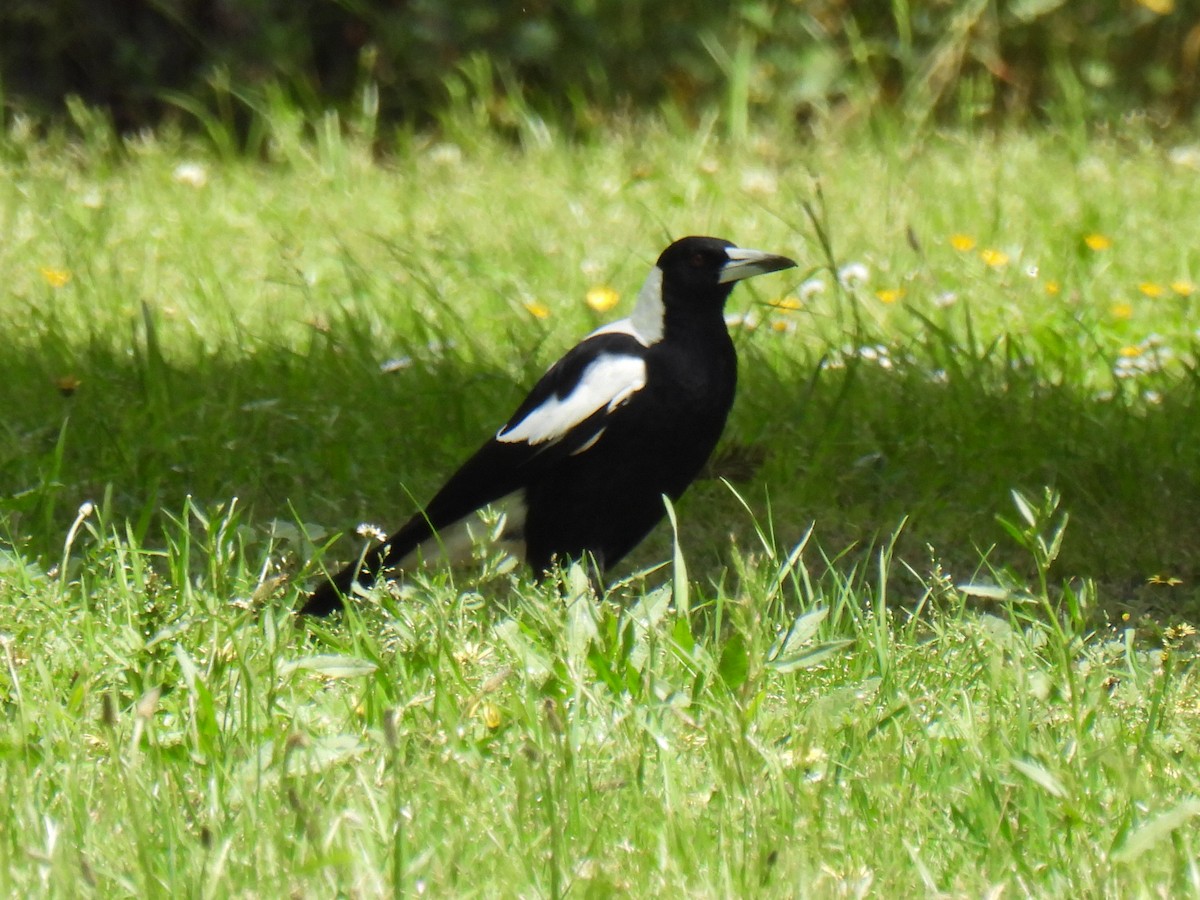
709	266
691	282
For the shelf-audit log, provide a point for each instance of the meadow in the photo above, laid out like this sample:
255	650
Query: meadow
924	628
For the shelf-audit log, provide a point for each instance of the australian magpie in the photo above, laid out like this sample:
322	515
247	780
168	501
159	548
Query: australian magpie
630	414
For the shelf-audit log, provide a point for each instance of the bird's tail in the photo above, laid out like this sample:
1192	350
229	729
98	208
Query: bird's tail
487	477
330	595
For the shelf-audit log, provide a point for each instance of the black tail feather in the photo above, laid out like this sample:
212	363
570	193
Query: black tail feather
330	596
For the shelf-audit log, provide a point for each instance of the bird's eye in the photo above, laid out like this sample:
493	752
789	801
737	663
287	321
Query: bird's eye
698	260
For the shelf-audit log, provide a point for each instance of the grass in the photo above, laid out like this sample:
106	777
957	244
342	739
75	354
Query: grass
930	622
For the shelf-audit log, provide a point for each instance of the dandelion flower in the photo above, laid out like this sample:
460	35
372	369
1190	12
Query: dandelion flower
1121	310
782	326
787	304
963	243
889	295
1053	288
1150	289
56	278
759	183
537	310
191	173
1097	242
591	267
811	287
747	322
1183	287
445	154
1187	156
1129	367
853	273
367	530
602	299
876	353
994	258
395	364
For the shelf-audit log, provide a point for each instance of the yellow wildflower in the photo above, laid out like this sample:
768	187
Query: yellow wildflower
1169	580
67	385
1183	287
1122	310
994	258
1131	351
56	278
1150	289
1097	242
889	295
1053	288
789	304
963	243
602	299
490	713
537	310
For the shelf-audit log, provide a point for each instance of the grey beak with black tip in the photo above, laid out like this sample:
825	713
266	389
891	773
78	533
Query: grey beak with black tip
746	263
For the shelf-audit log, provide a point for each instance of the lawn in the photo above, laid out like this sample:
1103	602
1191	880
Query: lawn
922	629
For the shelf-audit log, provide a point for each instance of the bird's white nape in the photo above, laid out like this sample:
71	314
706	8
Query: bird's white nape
608	382
645	324
647	317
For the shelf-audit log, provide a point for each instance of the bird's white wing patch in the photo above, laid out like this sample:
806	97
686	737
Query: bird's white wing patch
606	383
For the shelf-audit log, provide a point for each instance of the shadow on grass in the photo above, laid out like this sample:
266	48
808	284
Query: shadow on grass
851	442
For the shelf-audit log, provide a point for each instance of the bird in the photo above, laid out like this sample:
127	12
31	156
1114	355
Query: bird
629	415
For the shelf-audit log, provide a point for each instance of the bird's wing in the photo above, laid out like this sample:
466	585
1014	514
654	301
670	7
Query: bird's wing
564	414
601	374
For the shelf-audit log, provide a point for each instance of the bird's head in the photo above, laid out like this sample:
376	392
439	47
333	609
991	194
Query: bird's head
700	263
694	276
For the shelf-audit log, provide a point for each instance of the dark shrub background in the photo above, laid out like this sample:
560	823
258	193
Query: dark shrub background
571	60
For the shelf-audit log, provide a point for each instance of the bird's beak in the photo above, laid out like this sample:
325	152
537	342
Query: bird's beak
744	263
